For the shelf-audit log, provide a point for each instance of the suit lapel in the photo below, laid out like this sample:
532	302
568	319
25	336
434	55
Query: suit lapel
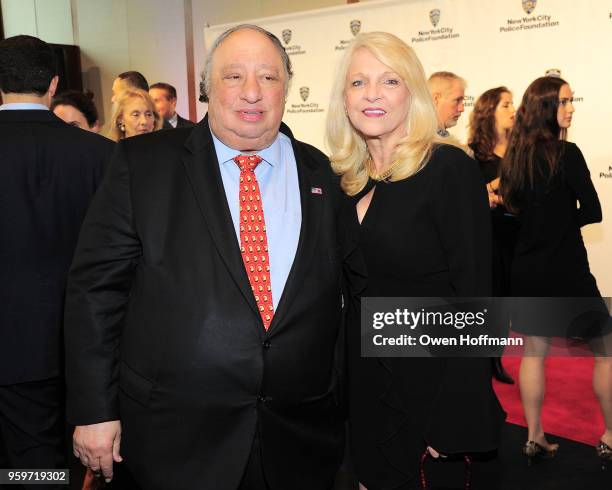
202	167
312	208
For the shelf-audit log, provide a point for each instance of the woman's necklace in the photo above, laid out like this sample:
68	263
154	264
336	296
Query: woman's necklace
382	175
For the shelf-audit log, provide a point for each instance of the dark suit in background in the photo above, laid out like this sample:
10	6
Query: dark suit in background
181	122
49	172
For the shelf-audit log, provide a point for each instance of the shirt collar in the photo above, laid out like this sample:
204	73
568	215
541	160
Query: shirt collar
173	120
21	106
225	154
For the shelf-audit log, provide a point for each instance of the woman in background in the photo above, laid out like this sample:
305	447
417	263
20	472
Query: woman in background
77	109
490	123
133	114
543	178
417	225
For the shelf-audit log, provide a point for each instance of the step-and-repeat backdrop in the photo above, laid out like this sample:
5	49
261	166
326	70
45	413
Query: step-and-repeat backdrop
492	43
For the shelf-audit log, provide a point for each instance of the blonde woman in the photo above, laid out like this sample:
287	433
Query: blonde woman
133	114
418	221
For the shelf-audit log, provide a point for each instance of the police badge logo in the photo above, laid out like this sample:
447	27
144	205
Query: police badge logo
304	93
355	27
434	17
529	5
286	35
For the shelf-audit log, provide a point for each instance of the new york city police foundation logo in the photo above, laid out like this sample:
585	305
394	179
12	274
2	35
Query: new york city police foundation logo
304	93
606	174
529	5
355	27
530	21
286	35
443	32
303	107
291	49
553	72
434	17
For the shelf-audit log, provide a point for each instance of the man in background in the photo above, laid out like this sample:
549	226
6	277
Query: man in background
128	79
164	97
448	92
49	171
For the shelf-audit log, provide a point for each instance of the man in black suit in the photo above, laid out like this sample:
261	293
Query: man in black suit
203	311
49	172
164	97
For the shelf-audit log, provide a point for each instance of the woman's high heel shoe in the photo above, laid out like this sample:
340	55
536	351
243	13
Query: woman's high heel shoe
533	450
605	454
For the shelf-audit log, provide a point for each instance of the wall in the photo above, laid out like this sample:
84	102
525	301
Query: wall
101	31
143	35
50	20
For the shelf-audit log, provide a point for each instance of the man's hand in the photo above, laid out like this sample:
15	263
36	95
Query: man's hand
435	454
97	446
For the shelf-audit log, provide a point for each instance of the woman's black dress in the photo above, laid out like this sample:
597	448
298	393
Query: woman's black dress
550	257
504	226
425	236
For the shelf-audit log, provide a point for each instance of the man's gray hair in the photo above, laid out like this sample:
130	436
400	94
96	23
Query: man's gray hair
444	76
206	74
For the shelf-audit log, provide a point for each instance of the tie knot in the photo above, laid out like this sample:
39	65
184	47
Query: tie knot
247	162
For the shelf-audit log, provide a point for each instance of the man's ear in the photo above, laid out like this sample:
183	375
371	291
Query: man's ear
436	96
53	86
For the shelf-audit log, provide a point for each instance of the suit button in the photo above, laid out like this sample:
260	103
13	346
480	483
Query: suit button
262	399
266	344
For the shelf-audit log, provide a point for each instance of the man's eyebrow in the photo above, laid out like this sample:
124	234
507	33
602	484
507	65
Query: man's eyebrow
241	65
268	67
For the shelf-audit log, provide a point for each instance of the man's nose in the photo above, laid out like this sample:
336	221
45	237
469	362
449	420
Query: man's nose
251	89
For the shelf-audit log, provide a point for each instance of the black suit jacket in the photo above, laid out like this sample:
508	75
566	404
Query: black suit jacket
49	172
162	330
181	122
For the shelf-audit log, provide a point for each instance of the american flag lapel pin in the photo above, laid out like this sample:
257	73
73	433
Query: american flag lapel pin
316	190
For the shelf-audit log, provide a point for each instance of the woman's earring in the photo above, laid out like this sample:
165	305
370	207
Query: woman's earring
122	127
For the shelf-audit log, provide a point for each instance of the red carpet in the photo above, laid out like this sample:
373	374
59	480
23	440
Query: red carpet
570	408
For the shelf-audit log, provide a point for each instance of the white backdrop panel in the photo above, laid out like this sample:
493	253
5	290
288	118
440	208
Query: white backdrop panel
489	44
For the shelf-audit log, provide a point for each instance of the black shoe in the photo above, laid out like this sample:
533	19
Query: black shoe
499	373
605	454
532	450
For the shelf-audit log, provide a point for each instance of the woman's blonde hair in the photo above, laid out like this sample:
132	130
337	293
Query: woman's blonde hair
114	131
349	153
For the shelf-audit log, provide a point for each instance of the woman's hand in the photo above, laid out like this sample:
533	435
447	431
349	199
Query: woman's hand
494	199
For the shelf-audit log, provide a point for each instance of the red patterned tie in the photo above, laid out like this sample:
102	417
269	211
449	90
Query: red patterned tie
253	239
